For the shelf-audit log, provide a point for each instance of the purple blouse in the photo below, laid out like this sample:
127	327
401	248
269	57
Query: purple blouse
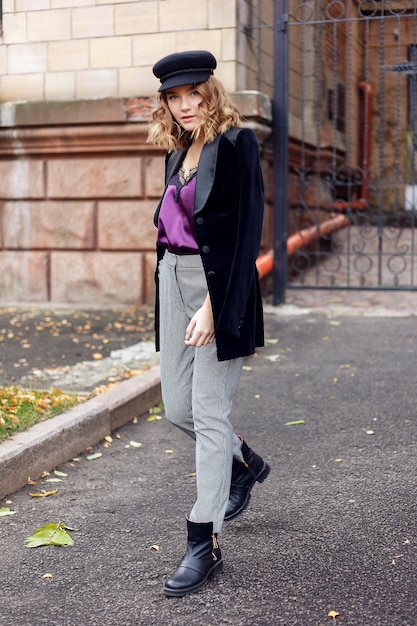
175	222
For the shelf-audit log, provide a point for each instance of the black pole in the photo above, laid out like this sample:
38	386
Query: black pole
280	138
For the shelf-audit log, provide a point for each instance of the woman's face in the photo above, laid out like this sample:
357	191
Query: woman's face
184	103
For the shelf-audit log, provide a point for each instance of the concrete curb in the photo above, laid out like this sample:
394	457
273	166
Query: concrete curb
51	443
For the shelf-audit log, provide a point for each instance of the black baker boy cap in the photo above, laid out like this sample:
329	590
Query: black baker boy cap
184	68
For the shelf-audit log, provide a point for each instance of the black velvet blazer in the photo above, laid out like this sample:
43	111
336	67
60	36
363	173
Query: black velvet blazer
228	214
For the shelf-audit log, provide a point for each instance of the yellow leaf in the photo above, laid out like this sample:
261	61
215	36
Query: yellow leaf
31	482
155	548
338	460
153	418
47	576
97	356
44	494
335	379
333	614
108	438
169	451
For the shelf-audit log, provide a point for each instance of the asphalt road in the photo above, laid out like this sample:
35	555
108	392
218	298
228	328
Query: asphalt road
332	529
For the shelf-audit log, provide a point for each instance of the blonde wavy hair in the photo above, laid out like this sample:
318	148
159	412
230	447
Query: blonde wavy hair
218	114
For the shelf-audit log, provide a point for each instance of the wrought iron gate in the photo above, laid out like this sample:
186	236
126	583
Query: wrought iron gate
345	105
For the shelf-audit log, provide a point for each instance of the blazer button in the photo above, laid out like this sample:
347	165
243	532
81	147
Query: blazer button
205	249
200	221
211	274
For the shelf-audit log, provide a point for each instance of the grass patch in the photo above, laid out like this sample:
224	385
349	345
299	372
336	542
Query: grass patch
22	408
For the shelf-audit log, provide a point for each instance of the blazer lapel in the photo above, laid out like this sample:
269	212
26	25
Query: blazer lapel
174	164
205	174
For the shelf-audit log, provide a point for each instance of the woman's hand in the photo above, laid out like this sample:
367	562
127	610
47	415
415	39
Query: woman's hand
200	330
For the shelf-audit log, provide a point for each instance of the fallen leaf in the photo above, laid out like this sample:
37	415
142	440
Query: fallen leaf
47	576
4	510
169	451
370	432
271	340
335	379
338	460
53	480
97	356
246	368
93	457
135	444
153	418
58	473
333	614
108	438
345	367
273	357
155	548
45	474
51	534
44	494
192	475
294	423
31	482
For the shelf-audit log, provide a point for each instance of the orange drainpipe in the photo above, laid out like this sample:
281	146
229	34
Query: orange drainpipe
265	262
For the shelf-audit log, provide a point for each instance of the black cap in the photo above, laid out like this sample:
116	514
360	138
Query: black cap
184	68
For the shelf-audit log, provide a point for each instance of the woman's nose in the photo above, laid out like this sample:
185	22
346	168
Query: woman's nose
185	104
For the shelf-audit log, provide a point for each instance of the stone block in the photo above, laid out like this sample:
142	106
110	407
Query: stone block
89	22
147	49
130	20
222	14
60	85
126	225
94	178
149	278
22	87
68	55
27	58
21	179
192	15
34	225
96	278
154	176
14	28
97	83
23	276
31	5
44	25
110	52
137	80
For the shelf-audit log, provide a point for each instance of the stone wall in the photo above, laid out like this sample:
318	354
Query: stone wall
78	190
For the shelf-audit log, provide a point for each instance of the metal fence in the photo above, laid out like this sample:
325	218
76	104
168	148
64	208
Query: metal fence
345	135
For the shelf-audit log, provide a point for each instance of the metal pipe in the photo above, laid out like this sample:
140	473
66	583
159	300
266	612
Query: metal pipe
280	139
265	262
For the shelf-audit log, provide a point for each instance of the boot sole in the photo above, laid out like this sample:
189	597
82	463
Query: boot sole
178	593
263	474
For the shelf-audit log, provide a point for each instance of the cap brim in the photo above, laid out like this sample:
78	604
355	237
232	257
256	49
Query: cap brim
188	78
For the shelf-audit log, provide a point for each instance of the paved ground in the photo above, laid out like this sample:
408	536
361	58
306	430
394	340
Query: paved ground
333	528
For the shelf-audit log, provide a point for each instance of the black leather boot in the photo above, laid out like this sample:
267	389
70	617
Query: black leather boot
244	476
202	560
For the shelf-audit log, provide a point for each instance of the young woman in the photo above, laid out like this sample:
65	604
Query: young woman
209	308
